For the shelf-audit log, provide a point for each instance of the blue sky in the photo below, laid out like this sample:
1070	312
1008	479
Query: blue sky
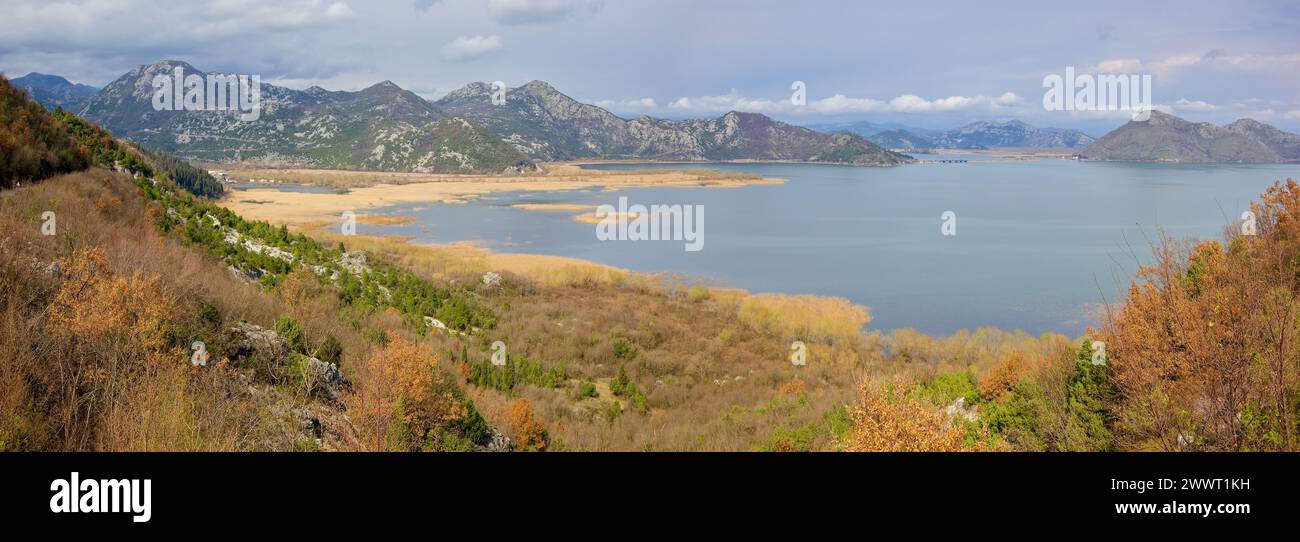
930	64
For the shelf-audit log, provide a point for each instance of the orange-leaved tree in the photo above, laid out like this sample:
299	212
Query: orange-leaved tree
1203	350
886	420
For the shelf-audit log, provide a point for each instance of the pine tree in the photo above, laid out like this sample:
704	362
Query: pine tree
1090	391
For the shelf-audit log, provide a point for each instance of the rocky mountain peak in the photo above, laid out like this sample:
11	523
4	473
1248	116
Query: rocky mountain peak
382	87
1167	138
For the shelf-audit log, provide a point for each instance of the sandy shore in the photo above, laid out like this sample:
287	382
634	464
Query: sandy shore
369	191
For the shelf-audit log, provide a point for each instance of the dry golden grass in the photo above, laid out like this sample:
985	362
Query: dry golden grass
360	191
384	220
595	218
805	317
94	356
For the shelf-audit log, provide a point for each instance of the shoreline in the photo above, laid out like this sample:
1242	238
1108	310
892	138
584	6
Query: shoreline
366	192
311	212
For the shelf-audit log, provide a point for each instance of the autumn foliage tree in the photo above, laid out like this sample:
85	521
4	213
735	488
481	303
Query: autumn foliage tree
402	399
528	428
1203	351
887	420
1003	377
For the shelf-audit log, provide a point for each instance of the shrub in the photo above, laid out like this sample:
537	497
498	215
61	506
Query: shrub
623	349
528	429
291	332
1002	378
1088	396
885	420
331	350
945	388
586	389
401	397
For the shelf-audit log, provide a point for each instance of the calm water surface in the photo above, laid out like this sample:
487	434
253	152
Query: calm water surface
1039	243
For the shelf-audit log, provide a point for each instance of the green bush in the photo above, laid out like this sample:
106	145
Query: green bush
945	388
586	389
291	333
1087	425
517	370
623	349
612	411
623	386
331	351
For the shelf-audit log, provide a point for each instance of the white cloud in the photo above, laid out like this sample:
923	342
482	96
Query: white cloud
338	10
228	17
1169	66
471	47
1117	65
1280	63
86	20
643	104
727	102
1161	67
1183	104
1293	114
539	11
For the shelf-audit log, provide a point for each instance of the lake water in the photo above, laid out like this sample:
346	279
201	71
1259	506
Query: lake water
1038	245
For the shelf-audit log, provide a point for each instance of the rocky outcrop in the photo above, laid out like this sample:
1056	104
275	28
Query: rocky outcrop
245	341
323	379
497	442
958	409
264	357
268	354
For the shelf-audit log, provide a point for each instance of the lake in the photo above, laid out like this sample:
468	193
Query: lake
1039	244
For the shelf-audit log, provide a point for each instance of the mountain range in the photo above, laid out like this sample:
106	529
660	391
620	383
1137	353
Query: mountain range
1166	138
385	127
548	125
53	91
382	127
866	128
976	135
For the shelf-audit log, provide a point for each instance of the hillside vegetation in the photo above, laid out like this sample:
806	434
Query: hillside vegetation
137	315
32	144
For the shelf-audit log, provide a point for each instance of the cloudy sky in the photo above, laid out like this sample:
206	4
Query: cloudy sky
930	64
